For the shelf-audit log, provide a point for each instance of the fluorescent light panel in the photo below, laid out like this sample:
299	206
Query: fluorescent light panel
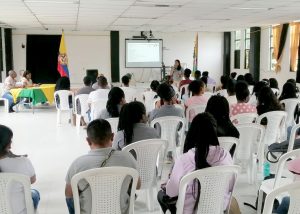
51	2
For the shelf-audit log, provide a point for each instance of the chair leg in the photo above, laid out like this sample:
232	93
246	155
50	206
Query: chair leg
259	201
6	105
150	201
58	119
78	117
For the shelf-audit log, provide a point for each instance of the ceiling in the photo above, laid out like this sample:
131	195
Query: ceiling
138	15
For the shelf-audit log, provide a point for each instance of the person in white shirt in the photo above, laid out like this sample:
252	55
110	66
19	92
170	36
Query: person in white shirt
101	83
26	79
11	163
10	83
231	98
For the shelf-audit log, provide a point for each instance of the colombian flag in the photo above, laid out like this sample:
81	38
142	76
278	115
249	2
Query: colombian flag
62	62
195	55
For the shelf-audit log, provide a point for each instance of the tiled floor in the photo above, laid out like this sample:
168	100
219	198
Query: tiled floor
52	148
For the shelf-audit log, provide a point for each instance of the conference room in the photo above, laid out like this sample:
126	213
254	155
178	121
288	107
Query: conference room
149	106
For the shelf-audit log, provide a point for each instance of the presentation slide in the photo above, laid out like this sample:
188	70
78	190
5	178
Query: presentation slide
143	53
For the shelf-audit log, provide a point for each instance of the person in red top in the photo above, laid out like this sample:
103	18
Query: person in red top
186	81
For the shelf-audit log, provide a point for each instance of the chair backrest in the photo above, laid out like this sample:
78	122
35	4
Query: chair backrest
105	184
149	99
214	183
276	91
290	106
208	95
211	87
96	107
293	134
228	142
113	121
82	101
169	126
244	118
222	92
63	96
130	93
251	137
276	124
250	87
281	164
192	111
146	155
183	90
293	190
7	180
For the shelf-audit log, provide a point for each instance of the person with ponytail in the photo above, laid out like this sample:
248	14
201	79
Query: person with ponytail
20	164
116	99
201	150
133	126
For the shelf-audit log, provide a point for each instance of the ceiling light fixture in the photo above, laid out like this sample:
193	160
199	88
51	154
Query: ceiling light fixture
251	8
51	2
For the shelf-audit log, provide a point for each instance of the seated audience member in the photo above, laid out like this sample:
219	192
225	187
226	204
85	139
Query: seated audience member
133	126
201	150
204	79
10	83
11	163
116	99
197	75
99	138
210	80
288	91
99	94
101	83
154	85
125	81
273	83
166	107
256	90
249	79
218	107
242	96
267	101
233	75
150	95
26	79
294	82
87	89
168	80
240	78
224	80
63	83
231	98
186	81
197	87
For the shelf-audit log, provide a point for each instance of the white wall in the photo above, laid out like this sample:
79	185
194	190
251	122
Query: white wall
86	50
265	71
92	50
180	46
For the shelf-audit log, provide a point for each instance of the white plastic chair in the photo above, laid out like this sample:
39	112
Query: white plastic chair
293	190
222	92
147	155
114	122
130	93
228	142
275	126
96	107
7	180
208	95
195	109
6	103
169	129
247	153
148	100
64	105
186	90
290	106
82	100
211	87
267	186
215	182
244	118
105	184
276	91
250	87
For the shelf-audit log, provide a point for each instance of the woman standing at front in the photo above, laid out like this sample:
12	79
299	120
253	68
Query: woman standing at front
177	72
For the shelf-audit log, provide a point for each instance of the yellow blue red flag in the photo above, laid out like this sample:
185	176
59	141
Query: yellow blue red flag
62	62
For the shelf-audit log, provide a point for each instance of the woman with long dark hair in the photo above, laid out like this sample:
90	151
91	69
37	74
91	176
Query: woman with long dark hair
116	99
133	126
289	90
201	150
177	72
267	101
12	163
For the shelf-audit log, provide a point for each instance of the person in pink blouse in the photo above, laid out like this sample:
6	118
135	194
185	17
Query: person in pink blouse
201	150
242	96
197	87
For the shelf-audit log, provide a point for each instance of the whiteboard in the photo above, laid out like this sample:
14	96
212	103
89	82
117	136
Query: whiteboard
143	53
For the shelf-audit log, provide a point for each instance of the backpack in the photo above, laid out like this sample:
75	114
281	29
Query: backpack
276	150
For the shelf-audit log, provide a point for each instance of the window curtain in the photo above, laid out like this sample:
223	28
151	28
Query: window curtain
295	34
279	38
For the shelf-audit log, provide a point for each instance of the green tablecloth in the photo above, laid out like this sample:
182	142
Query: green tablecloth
36	94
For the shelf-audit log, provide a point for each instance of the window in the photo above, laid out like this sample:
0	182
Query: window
237	49
247	48
272	57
